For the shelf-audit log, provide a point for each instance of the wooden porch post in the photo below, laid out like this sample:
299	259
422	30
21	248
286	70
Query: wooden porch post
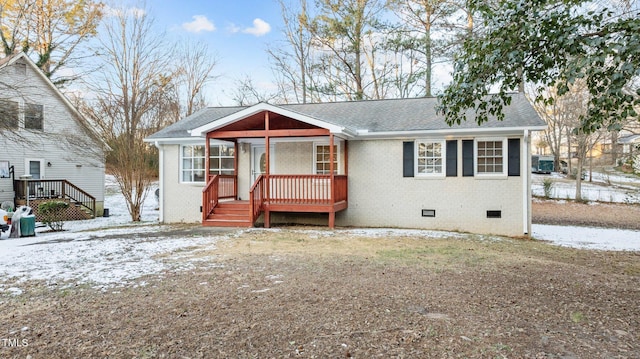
332	212
267	217
206	159
235	168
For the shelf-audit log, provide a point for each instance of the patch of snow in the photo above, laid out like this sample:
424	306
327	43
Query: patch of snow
101	252
14	290
589	237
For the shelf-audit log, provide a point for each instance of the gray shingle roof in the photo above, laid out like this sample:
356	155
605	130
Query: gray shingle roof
399	115
181	128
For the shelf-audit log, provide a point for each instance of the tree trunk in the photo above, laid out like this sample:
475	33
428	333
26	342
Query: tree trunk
579	179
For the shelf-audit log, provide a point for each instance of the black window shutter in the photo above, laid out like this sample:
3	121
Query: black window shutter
514	157
467	158
407	159
452	158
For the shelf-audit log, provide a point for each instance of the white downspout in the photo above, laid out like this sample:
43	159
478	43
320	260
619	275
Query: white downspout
526	184
160	182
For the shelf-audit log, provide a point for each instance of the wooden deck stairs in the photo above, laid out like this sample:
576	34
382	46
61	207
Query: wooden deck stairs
230	214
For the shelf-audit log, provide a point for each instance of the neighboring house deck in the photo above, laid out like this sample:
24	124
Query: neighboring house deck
392	163
50	151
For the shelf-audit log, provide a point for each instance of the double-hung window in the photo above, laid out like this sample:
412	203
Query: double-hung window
9	114
491	157
33	116
323	159
430	158
192	159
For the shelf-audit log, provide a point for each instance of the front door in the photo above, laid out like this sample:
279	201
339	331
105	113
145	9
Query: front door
35	168
259	161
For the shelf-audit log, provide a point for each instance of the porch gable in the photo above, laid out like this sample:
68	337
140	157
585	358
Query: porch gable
251	117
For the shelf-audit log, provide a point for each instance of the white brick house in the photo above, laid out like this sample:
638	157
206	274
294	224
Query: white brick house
386	163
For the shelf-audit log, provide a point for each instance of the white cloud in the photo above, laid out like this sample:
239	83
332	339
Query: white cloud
233	28
260	28
199	23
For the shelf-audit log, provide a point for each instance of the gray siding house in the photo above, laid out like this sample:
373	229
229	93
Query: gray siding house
385	163
49	150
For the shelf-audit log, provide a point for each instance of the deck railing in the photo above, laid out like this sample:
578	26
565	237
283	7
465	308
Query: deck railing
256	198
218	187
340	189
276	189
307	189
52	189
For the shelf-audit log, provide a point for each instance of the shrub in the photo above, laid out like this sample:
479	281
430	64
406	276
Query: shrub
52	214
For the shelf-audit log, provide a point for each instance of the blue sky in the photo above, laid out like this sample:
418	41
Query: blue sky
237	32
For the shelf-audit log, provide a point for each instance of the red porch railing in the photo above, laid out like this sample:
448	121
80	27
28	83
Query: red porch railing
306	189
256	199
218	187
340	189
281	193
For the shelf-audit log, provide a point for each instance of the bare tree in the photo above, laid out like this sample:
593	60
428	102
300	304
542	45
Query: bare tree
421	21
194	73
340	31
50	30
558	118
292	63
133	83
247	93
574	106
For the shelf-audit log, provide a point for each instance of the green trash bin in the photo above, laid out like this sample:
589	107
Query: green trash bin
28	226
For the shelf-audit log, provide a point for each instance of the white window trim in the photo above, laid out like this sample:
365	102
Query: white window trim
181	159
315	155
443	147
27	168
505	158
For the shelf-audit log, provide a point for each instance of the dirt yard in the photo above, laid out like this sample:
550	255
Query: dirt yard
302	293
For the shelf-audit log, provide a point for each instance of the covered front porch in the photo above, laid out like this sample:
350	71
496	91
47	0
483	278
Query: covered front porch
281	163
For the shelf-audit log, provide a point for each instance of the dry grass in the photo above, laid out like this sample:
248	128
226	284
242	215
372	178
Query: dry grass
319	294
570	213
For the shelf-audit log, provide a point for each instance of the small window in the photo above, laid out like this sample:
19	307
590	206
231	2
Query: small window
9	114
192	163
323	159
494	214
33	117
490	157
430	157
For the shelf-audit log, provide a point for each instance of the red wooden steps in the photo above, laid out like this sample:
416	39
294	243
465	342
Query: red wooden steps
230	214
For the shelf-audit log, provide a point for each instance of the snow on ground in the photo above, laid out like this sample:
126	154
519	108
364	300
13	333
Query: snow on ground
113	251
607	186
589	237
102	252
